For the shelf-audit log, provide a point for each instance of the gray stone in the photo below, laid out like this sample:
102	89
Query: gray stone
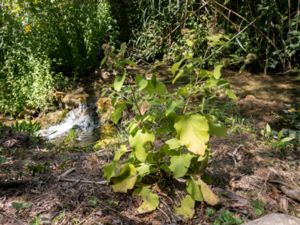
275	219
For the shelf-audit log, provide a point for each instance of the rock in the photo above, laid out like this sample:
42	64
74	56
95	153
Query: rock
275	219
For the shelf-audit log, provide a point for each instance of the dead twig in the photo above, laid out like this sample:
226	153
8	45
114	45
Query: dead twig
83	181
66	173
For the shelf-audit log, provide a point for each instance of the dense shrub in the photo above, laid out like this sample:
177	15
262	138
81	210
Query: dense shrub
268	30
42	39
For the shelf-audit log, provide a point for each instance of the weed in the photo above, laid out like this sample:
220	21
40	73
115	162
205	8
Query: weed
21	205
71	137
227	218
38	168
258	207
27	126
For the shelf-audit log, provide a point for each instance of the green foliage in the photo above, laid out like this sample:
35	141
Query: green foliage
168	133
210	212
40	40
258	207
21	205
71	137
38	168
2	159
283	140
93	201
36	221
260	35
150	199
227	218
26	126
187	208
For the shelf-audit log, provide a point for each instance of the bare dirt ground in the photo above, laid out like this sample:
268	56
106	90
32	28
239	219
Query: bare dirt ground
42	182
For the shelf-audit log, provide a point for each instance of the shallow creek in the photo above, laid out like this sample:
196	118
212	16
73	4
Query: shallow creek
82	120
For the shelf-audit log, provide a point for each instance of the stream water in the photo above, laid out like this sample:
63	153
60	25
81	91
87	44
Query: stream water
83	120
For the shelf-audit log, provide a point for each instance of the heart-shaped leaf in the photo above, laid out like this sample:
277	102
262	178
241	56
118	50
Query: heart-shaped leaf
150	199
138	142
208	195
143	169
180	164
187	208
193	189
193	132
110	170
126	179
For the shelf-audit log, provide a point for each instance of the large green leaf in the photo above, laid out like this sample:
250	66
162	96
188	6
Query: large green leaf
126	179
117	114
138	142
110	170
193	189
150	199
187	208
193	132
119	81
180	164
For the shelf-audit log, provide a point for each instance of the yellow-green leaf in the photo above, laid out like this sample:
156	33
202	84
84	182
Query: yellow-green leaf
193	189
180	164
119	81
110	170
150	199
176	66
217	71
179	74
231	94
193	132
121	151
190	42
172	106
138	142
208	195
117	114
126	179
143	169
173	143
187	208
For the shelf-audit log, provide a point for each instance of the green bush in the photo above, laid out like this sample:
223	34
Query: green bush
261	35
40	40
25	81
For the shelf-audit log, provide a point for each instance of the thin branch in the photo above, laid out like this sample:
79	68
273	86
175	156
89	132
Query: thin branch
83	181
